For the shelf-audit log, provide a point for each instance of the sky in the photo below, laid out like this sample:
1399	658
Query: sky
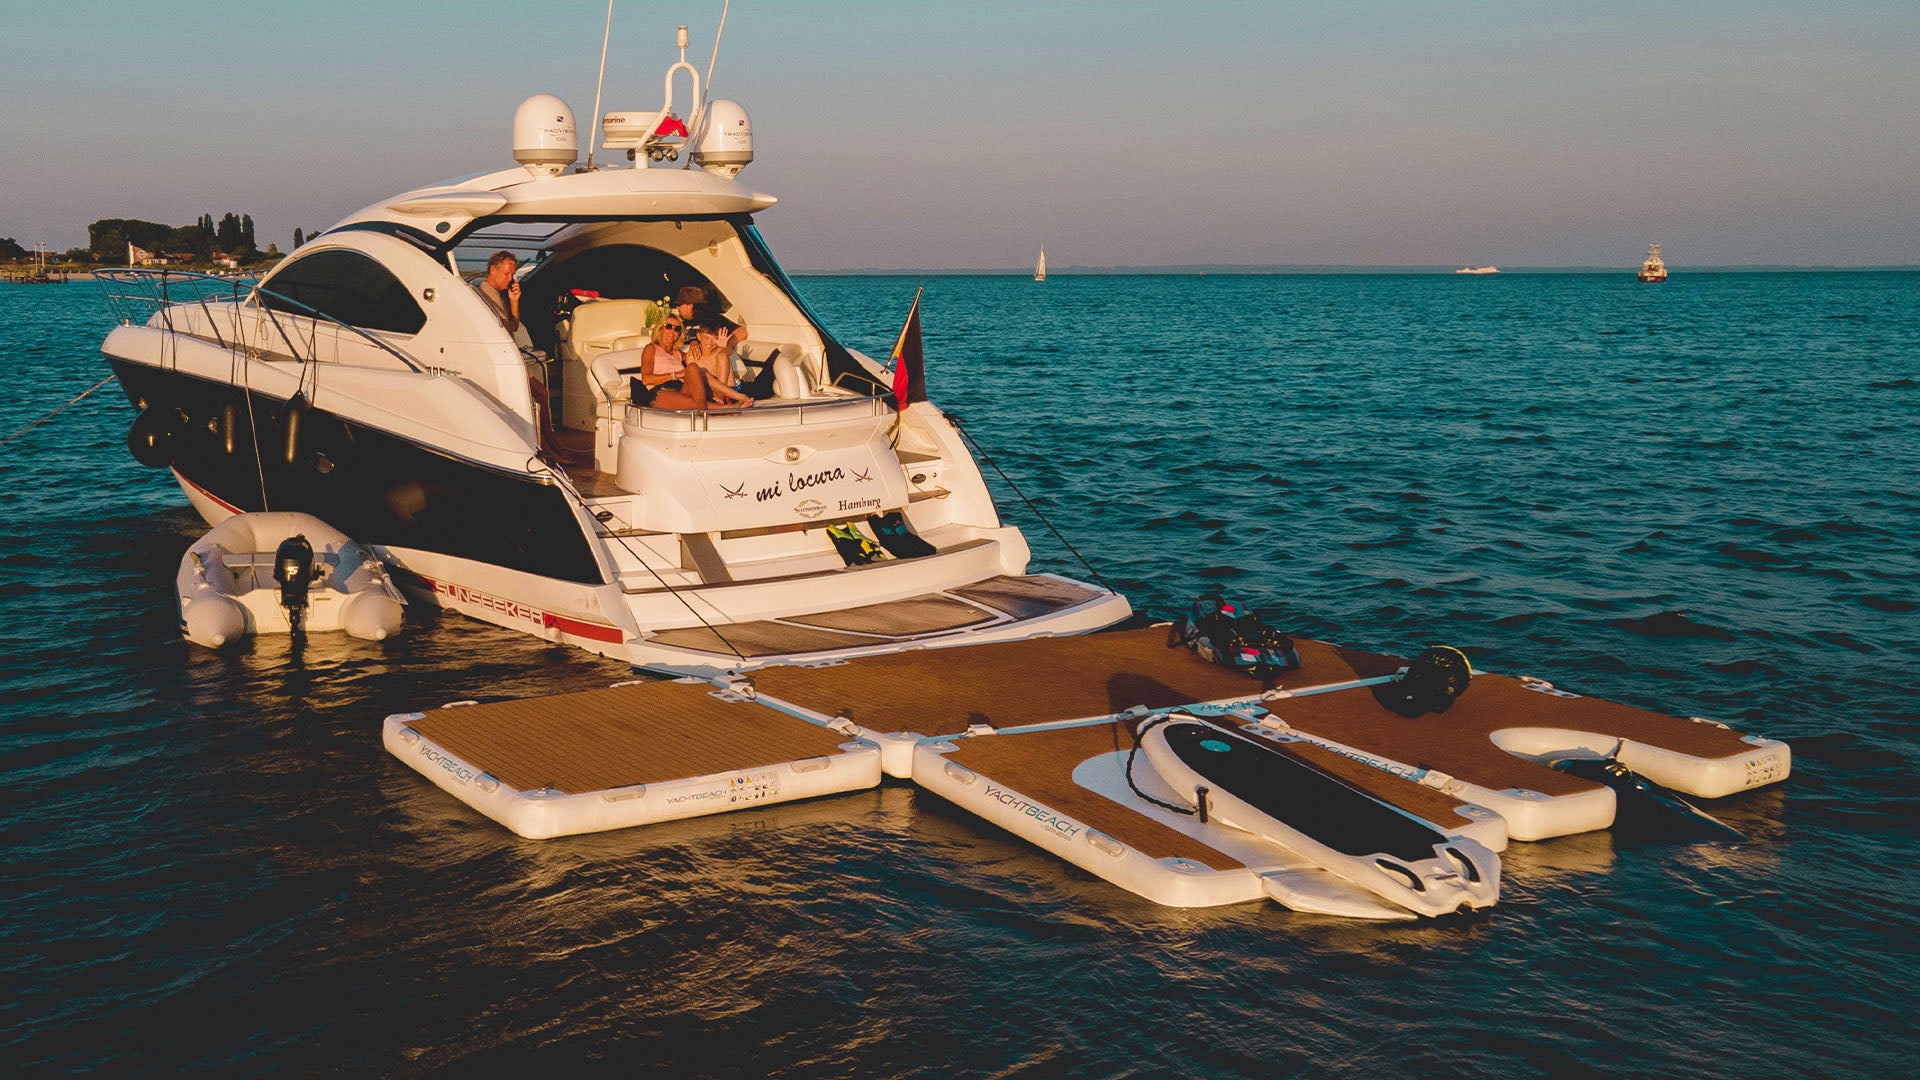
918	134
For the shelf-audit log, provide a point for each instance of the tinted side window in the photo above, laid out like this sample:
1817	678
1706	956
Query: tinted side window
347	286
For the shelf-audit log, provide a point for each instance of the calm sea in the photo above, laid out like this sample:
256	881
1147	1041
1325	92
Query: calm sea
1701	497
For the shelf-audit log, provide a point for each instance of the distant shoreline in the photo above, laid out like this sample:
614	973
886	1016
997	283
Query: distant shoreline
1248	271
1264	271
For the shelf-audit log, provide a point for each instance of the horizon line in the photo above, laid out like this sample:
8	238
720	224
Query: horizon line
1347	268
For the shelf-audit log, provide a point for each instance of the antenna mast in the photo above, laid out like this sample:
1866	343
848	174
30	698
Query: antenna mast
594	138
707	87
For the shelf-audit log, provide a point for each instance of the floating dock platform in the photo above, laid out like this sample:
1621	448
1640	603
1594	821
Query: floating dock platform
635	754
1040	738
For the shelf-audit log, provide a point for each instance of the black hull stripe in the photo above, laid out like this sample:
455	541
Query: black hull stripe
370	484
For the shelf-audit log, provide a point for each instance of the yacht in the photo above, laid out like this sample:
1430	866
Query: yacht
365	381
1655	268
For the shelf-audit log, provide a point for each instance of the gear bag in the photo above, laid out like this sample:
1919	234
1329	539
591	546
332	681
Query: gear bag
1229	634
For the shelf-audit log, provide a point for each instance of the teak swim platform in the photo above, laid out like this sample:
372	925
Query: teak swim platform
1042	737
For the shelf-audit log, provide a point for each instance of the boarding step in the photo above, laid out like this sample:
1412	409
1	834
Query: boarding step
808	572
1003	599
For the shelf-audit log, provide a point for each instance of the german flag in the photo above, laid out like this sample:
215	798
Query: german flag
908	361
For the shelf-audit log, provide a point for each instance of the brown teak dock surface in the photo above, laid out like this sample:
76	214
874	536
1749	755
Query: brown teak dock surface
645	733
1027	716
1052	679
1008	684
1459	741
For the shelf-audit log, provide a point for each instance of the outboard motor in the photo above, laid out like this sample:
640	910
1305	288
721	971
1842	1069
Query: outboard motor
293	569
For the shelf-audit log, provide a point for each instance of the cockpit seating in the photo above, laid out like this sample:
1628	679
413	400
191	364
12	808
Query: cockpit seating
593	330
795	375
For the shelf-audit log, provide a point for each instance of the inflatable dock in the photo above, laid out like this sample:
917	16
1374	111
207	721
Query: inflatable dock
1183	781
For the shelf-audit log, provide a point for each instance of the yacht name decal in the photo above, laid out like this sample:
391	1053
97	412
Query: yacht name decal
794	484
860	504
801	481
1041	814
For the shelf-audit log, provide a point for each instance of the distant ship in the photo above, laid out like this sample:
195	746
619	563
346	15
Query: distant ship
1478	270
1040	268
1655	268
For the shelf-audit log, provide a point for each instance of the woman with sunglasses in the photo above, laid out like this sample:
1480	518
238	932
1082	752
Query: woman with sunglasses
666	380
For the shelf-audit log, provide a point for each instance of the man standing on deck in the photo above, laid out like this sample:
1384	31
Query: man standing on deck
502	293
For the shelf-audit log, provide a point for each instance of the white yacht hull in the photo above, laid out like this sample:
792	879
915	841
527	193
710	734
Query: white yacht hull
630	594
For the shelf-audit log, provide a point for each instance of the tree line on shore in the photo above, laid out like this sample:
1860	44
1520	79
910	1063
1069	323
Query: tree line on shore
108	239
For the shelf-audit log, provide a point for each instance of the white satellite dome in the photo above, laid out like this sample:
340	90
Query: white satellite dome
544	137
724	144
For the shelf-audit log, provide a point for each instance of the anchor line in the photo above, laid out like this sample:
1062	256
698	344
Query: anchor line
70	404
566	482
984	456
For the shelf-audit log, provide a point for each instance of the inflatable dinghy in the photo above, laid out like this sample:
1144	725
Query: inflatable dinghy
268	573
1262	788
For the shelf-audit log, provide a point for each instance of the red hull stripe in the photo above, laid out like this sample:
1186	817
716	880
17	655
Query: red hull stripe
224	504
575	627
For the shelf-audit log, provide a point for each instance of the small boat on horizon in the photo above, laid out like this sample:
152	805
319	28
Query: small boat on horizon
1478	270
1040	267
1655	268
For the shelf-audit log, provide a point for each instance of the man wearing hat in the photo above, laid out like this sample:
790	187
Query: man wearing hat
695	305
690	302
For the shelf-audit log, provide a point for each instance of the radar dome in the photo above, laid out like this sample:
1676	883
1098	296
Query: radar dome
544	139
724	144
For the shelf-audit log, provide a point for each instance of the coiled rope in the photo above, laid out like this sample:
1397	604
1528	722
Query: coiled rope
1139	734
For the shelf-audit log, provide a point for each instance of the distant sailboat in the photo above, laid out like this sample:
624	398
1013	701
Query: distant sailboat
1040	268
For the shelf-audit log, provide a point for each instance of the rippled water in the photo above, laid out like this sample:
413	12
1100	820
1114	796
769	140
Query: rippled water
1701	496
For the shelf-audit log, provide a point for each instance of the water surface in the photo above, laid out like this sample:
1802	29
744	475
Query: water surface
1700	497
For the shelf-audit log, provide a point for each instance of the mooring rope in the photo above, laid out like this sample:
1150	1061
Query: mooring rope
977	449
9	439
